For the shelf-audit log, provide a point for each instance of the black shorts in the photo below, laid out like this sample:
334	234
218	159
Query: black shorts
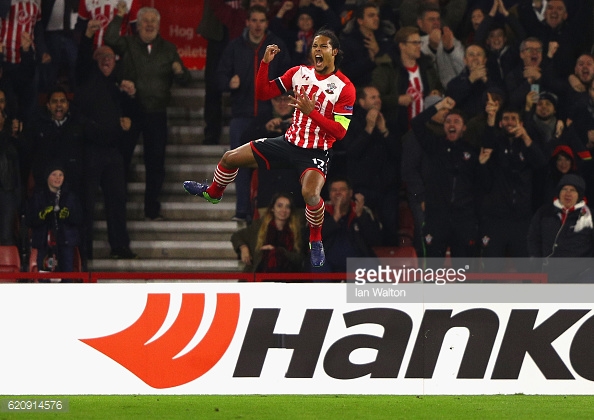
277	152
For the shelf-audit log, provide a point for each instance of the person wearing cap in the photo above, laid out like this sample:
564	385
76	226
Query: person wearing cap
563	161
107	104
542	121
563	228
54	215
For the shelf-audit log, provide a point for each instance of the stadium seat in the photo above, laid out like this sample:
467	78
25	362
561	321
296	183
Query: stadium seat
33	268
10	261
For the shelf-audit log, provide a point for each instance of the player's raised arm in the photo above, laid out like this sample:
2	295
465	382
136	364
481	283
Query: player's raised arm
266	89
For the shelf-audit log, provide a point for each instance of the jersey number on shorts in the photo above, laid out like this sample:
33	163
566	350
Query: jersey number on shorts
319	163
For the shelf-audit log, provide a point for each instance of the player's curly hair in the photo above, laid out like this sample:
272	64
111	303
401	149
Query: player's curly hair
334	41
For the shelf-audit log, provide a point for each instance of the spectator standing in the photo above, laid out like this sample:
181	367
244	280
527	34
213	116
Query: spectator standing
452	10
438	42
153	64
237	75
221	22
502	54
54	216
560	33
470	87
529	75
106	106
373	161
404	80
450	208
272	244
56	135
541	120
363	45
416	172
512	160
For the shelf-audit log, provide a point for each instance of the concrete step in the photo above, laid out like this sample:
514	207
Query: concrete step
172	191
194	208
153	249
204	230
175	171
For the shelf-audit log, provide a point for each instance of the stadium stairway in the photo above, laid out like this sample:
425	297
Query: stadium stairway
195	235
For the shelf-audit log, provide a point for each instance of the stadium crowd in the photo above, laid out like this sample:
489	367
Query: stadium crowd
469	115
80	82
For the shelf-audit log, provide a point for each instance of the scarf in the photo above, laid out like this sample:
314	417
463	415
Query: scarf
584	219
273	261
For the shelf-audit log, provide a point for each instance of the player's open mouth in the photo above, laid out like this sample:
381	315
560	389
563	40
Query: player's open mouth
319	59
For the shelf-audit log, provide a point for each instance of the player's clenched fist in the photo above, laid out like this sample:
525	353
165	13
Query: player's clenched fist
270	52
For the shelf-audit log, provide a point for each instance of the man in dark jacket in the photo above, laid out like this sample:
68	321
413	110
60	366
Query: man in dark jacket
450	218
363	45
152	64
106	105
373	161
56	136
237	75
507	203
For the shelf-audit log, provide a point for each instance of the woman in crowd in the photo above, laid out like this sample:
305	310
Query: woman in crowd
272	243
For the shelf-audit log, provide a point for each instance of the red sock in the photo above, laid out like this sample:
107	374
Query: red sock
222	177
315	217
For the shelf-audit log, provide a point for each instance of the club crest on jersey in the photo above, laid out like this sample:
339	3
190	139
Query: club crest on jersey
330	90
485	240
467	156
428	239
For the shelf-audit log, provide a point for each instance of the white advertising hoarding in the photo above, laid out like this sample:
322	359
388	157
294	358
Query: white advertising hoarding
275	338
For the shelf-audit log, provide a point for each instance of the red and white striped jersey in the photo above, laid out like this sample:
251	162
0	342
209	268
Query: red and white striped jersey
104	11
23	16
335	95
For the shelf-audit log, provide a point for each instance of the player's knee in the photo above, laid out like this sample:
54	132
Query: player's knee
228	160
311	196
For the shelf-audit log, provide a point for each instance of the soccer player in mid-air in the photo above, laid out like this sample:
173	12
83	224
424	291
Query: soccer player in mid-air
323	101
